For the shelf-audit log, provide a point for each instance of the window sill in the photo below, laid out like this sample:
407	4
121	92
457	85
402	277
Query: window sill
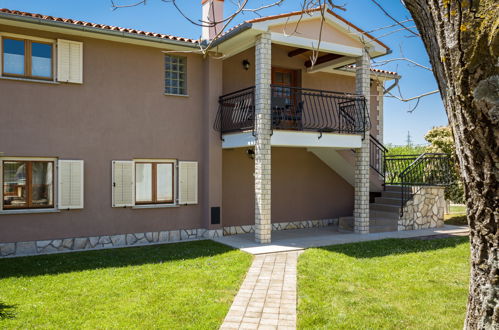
180	95
52	82
154	206
29	211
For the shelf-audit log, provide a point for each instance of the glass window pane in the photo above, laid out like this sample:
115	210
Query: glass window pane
41	184
164	182
41	60
143	183
175	70
14	184
13	56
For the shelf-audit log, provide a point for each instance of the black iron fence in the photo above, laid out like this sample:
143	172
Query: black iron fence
294	108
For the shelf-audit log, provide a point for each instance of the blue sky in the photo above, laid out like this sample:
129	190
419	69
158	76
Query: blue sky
158	16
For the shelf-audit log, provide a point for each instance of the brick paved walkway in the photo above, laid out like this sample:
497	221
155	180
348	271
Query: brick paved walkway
267	298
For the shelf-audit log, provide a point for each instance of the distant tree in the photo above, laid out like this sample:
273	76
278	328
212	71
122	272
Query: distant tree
440	140
405	149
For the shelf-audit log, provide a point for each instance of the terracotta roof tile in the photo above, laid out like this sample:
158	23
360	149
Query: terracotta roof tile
98	26
392	73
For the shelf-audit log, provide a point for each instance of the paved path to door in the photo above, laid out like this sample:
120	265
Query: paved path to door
267	298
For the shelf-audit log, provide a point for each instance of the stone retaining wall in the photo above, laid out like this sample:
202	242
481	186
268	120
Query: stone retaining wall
102	242
425	210
235	230
30	248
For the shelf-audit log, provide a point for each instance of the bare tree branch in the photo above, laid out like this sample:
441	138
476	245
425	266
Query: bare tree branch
388	26
395	31
384	62
393	19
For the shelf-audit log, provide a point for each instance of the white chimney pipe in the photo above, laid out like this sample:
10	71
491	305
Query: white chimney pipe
213	11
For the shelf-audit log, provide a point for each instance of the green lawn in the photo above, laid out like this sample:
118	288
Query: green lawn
388	284
457	216
173	286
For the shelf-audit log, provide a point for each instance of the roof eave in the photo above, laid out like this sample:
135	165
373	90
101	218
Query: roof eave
70	26
232	33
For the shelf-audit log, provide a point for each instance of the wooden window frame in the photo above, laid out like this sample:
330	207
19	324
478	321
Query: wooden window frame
154	185
29	185
184	87
28	59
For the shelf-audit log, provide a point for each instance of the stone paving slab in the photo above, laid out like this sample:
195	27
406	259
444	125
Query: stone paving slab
267	297
299	239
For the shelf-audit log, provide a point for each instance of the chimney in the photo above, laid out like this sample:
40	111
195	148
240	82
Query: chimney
213	11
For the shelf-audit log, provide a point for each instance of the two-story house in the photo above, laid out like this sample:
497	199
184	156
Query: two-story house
114	137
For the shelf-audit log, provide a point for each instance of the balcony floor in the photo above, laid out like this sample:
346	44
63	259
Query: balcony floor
303	139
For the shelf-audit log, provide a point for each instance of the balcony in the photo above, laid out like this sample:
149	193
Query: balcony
314	114
294	108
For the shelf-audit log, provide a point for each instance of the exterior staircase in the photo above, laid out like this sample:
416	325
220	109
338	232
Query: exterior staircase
383	213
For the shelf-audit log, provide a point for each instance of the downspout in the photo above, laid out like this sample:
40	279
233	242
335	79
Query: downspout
395	83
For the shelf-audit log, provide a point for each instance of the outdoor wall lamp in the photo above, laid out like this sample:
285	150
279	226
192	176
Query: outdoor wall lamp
246	65
250	153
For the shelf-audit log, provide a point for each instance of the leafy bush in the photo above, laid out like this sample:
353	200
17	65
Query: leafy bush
442	141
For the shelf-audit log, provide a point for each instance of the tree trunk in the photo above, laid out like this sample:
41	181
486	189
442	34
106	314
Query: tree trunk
462	40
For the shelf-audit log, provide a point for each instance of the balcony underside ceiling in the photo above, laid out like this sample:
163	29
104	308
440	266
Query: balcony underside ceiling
282	138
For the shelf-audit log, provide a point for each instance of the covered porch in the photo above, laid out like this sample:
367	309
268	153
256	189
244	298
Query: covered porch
283	89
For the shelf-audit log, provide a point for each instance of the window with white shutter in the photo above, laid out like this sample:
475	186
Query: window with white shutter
70	61
188	183
123	183
70	183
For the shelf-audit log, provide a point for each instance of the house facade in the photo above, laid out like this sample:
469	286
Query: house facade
117	137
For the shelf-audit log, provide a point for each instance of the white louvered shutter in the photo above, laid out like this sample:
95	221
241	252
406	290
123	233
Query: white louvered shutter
123	183
70	184
70	61
188	182
1	184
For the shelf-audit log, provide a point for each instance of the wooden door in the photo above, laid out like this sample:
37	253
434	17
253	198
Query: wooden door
286	108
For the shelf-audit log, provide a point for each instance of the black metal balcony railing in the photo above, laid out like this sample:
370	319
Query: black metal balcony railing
295	108
236	111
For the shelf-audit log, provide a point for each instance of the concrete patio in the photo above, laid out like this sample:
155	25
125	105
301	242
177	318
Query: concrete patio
299	239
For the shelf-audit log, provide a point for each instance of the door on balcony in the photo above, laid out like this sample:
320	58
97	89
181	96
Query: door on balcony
287	107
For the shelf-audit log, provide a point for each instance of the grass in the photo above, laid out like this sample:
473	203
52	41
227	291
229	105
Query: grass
173	286
457	216
388	284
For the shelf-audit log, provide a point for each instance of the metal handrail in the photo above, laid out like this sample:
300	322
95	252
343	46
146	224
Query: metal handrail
377	156
429	169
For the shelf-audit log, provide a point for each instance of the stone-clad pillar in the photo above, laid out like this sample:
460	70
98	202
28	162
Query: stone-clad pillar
263	129
361	208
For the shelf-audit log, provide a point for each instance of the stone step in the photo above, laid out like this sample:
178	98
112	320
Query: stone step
395	188
384	214
391	194
381	221
388	200
346	223
384	207
383	229
377	223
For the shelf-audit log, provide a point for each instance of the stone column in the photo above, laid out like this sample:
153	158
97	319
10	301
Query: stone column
263	129
361	208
